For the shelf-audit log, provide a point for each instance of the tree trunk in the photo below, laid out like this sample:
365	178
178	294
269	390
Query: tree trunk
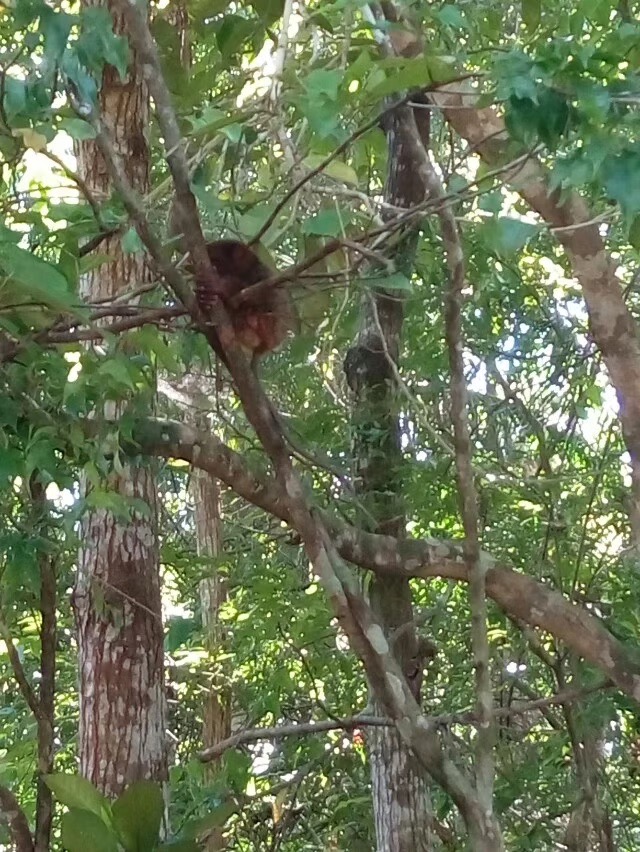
213	593
401	802
117	594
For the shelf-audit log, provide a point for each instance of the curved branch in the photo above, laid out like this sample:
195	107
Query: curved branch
572	222
14	816
518	595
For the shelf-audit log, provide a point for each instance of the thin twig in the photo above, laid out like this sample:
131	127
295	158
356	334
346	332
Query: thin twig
26	690
443	720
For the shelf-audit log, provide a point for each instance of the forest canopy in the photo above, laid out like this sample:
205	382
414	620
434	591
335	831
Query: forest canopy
319	426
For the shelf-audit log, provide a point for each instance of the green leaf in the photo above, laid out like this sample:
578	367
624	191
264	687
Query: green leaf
328	223
531	11
55	27
546	118
180	630
506	236
621	177
451	16
118	370
216	818
149	340
83	830
634	232
38	280
98	44
77	73
234	32
323	83
131	242
137	816
77	129
74	791
336	169
392	281
407	74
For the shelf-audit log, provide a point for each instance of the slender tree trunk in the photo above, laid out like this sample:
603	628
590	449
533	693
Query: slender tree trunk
401	802
213	593
46	694
117	593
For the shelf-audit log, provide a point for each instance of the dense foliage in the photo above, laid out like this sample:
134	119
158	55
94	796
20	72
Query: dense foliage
548	454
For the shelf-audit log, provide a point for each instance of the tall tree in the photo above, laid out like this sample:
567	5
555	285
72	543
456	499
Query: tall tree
117	591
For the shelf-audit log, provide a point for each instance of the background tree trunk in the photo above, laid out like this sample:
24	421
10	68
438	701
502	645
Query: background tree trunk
401	801
117	594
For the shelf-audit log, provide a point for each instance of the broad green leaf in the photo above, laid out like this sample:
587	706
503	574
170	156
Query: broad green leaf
117	368
74	791
506	236
131	242
409	74
621	176
392	281
77	129
15	97
215	819
55	27
328	223
336	169
137	816
451	16
634	232
38	281
544	119
324	83
234	32
98	44
84	830
531	10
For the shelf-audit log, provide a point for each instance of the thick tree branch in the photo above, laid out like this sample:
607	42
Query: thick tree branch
518	595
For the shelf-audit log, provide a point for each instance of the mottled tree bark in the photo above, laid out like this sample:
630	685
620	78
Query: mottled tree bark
117	593
213	593
401	801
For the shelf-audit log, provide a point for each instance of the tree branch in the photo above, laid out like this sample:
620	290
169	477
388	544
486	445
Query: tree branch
612	324
17	821
518	595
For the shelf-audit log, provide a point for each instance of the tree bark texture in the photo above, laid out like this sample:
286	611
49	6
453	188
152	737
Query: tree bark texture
117	595
401	802
216	723
213	593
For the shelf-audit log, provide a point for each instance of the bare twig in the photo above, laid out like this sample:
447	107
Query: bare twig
26	690
280	732
443	720
484	763
353	137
